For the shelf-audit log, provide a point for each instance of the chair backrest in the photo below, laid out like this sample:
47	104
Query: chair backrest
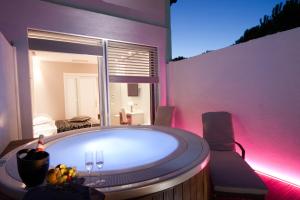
218	131
123	118
164	116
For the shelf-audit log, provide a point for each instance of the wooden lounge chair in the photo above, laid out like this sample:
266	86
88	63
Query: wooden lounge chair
164	116
231	176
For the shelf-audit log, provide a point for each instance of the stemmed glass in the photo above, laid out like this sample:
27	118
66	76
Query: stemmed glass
89	162
99	164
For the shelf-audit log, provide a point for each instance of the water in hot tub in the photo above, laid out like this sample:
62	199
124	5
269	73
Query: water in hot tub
122	148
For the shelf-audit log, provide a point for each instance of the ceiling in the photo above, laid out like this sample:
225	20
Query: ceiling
65	57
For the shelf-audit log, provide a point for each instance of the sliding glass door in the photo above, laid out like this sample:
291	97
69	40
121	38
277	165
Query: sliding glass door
79	82
64	72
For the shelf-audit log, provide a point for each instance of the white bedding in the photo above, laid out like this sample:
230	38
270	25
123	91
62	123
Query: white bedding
44	129
43	125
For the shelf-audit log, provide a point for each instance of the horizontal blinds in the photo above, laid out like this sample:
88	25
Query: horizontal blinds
132	63
60	37
56	42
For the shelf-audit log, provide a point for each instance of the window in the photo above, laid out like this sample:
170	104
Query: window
133	74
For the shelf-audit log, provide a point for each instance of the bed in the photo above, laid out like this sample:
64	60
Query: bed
43	125
76	123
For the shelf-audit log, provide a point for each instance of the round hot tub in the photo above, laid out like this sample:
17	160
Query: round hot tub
138	161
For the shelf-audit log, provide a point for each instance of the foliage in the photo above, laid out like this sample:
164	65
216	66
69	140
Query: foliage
178	58
284	17
207	51
172	1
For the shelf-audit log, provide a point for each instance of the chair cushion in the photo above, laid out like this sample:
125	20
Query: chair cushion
164	116
218	131
231	174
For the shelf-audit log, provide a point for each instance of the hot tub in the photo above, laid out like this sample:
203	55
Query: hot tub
138	161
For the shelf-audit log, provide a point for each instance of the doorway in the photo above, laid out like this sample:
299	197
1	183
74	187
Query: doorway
130	103
65	94
122	82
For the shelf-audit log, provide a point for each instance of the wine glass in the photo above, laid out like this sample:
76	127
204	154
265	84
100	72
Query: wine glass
89	162
99	164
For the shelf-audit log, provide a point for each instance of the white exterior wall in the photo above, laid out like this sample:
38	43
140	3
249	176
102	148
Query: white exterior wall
8	100
259	83
16	16
148	11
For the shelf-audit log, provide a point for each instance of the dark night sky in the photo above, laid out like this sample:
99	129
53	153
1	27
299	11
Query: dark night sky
200	25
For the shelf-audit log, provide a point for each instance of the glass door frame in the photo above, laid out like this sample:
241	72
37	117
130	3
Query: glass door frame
103	70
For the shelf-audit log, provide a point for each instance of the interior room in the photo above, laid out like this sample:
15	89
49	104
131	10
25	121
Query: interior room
130	103
64	91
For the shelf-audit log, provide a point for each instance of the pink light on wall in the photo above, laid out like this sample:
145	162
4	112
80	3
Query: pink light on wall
274	173
258	82
271	156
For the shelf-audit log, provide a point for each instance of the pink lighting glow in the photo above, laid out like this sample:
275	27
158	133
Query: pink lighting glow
280	176
258	82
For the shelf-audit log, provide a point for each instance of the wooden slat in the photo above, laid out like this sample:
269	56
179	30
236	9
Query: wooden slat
145	198
193	183
178	192
158	196
206	187
186	190
169	194
200	186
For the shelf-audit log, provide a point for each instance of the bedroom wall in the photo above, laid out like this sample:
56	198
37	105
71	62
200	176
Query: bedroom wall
258	82
73	21
9	124
49	89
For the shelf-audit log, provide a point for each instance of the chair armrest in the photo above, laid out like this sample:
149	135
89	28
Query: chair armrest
242	149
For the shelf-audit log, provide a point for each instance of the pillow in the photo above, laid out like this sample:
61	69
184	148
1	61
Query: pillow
42	119
80	119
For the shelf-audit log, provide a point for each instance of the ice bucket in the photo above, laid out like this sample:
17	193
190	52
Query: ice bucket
32	166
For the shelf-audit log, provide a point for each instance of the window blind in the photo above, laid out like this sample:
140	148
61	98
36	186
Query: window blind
132	63
60	37
57	42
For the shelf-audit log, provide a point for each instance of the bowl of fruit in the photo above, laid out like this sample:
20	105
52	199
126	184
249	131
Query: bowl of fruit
61	175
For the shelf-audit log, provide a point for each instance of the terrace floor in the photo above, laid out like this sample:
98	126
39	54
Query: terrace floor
278	190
